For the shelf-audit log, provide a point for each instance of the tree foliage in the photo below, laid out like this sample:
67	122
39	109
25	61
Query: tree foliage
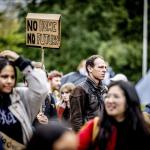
113	29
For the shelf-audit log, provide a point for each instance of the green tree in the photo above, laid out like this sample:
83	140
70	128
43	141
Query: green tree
108	27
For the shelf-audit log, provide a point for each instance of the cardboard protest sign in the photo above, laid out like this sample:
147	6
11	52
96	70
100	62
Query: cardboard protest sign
43	30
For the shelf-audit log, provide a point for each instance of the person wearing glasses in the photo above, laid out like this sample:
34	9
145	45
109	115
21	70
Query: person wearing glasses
122	126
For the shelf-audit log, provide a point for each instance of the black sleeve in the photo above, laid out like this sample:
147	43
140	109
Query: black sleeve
22	63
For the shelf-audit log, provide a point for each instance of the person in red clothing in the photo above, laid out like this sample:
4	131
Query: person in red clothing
122	127
63	108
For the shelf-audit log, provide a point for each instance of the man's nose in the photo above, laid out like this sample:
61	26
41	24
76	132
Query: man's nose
104	70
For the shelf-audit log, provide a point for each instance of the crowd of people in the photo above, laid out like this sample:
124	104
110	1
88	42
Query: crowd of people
76	111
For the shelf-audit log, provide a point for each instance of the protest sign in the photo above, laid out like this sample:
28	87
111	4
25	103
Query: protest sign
43	30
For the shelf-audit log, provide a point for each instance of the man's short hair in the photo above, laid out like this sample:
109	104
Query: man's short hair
53	74
90	61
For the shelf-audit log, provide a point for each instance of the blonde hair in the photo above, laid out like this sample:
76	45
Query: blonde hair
81	64
68	86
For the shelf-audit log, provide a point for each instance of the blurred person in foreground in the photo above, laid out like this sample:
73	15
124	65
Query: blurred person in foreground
19	105
86	100
122	127
53	136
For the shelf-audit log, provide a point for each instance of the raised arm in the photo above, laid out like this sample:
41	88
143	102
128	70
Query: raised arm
33	95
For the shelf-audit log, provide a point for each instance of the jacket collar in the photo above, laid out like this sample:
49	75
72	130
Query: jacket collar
91	82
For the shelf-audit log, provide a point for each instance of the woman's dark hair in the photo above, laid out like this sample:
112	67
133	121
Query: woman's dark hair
134	117
4	62
46	135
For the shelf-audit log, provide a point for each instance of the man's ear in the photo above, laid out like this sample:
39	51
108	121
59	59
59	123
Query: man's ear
89	69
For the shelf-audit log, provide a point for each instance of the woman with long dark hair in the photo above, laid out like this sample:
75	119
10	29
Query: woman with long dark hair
122	126
19	105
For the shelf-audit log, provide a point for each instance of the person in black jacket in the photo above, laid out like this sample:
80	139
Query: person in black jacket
86	100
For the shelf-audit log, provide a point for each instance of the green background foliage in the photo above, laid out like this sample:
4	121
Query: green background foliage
113	29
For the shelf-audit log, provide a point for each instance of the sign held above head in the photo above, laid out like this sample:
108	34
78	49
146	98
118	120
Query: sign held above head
43	30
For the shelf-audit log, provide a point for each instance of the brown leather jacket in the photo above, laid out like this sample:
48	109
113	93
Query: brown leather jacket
86	102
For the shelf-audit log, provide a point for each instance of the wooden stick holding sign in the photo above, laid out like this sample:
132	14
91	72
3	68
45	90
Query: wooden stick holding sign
42	58
44	31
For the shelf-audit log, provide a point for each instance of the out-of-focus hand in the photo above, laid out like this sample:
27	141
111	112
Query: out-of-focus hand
10	54
42	118
37	64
